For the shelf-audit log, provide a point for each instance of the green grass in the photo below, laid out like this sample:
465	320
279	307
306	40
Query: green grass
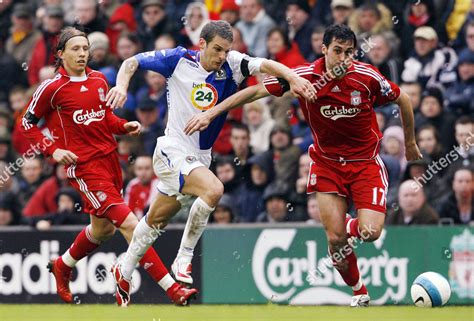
52	312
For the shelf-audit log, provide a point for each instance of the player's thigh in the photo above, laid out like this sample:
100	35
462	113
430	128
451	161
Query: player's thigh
370	224
102	229
333	208
369	186
162	208
201	182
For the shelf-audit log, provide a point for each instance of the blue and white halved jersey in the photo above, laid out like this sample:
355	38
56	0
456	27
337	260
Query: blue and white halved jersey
191	89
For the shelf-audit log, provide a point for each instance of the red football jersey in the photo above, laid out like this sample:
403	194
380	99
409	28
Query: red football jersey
342	119
76	115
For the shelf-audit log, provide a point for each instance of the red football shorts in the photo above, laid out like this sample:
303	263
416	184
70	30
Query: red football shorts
100	183
365	182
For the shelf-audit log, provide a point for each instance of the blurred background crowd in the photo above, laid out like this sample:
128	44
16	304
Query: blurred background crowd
424	46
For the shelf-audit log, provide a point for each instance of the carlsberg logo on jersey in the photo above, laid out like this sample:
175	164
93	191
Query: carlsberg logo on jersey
286	268
335	112
88	117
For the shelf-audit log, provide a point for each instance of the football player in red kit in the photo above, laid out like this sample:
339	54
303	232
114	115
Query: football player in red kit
73	107
345	161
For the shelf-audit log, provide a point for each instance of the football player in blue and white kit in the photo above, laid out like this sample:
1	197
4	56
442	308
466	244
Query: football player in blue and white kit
196	82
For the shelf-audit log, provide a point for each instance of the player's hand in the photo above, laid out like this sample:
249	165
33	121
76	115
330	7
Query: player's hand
301	87
64	157
133	128
198	122
116	97
412	152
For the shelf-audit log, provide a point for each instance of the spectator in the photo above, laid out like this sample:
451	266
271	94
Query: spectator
299	25
226	173
464	155
313	211
260	124
459	95
432	112
412	207
122	20
458	206
196	17
250	202
302	136
148	115
9	214
30	180
297	195
100	55
369	19
283	154
428	65
23	36
6	9
43	51
43	201
426	174
413	90
419	14
230	12
380	55
156	91
276	209
254	24
341	10
88	17
393	144
238	43
69	211
241	150
12	74
155	23
129	45
316	43
427	139
165	41
224	213
280	49
141	190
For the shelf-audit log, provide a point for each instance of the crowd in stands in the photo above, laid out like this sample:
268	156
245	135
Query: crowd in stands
426	47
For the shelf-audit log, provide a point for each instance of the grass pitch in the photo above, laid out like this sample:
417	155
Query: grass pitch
53	312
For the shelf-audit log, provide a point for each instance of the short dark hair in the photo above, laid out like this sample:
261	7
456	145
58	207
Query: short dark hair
283	35
219	28
463	120
339	32
240	126
65	35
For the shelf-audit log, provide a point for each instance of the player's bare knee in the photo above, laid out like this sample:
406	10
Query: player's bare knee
337	240
104	233
214	193
370	232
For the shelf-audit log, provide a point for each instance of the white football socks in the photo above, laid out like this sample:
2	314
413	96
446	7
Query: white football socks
143	237
197	222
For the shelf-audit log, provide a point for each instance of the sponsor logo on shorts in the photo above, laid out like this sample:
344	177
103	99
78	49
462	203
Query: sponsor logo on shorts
88	117
312	180
335	112
101	196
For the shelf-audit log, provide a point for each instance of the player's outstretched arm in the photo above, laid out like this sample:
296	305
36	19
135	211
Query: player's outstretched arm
299	86
117	96
411	149
201	121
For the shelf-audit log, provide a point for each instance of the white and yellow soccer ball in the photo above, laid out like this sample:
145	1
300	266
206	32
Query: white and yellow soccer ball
430	289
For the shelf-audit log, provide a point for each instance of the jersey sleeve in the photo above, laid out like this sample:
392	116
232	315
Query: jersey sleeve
38	107
163	61
383	89
243	65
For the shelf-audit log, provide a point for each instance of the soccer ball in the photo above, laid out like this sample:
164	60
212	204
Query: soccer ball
430	289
